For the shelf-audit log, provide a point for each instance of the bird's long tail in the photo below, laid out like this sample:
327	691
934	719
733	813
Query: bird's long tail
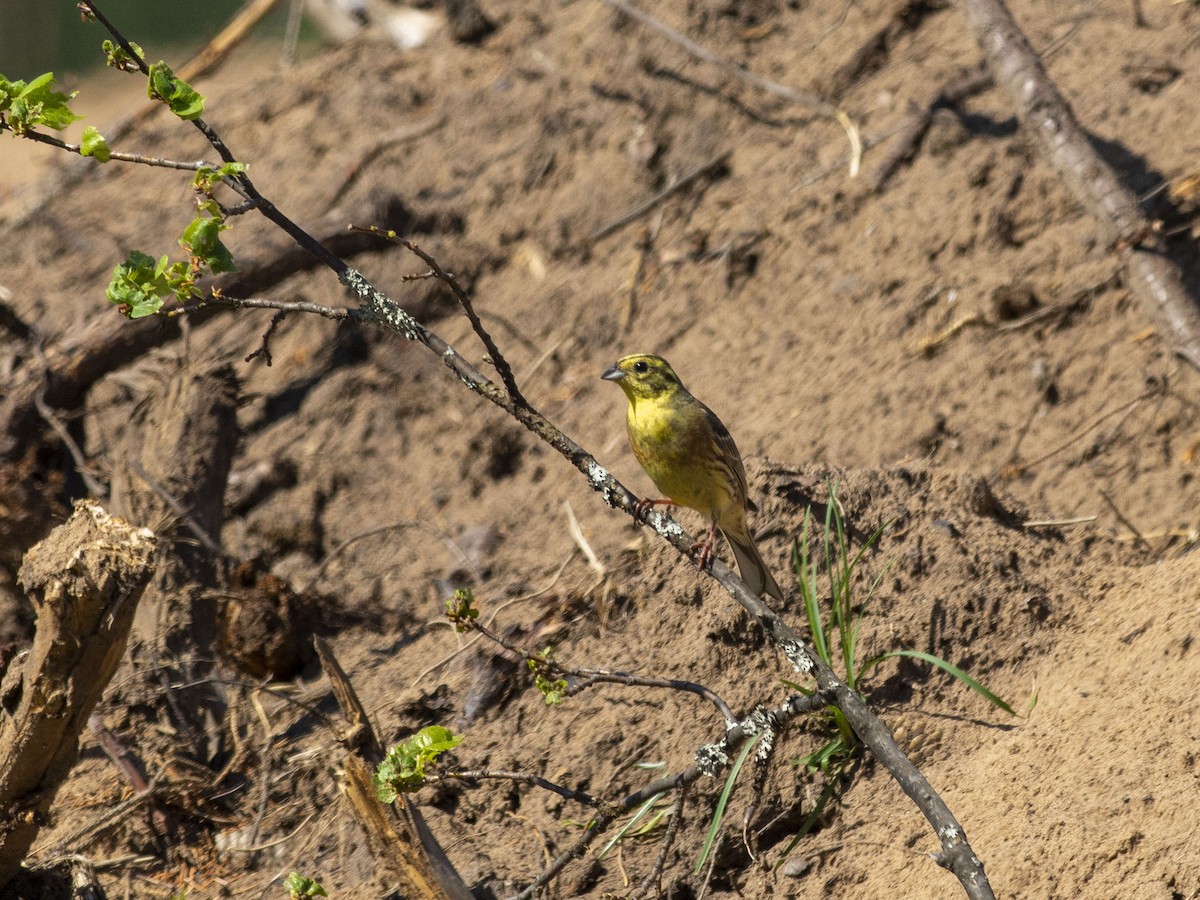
751	566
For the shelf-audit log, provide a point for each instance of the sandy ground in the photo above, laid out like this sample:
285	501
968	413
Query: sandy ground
963	326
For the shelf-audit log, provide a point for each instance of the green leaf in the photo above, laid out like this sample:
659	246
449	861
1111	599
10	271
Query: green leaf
28	105
403	769
176	93
202	240
461	611
553	689
116	57
94	144
302	886
140	286
628	827
207	177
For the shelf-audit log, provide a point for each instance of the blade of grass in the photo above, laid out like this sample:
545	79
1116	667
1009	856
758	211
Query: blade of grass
811	818
956	672
719	812
625	829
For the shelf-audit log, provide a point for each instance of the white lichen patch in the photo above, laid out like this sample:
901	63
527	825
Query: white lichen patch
711	759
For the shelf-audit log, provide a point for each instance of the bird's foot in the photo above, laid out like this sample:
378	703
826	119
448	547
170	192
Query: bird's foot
706	548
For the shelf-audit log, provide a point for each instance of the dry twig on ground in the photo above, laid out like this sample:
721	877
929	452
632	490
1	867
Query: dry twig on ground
399	839
1153	277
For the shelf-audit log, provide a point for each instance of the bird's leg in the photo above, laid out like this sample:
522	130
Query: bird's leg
645	504
706	548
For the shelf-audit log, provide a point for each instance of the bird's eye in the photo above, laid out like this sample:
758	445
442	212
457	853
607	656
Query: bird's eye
641	366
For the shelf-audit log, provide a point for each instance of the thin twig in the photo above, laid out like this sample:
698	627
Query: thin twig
264	349
525	778
581	541
714	854
654	876
1087	428
713	165
598	676
800	98
336	313
159	161
118	812
51	418
1023	431
121	757
354	538
1058	523
176	507
1126	522
275	692
495	357
490	620
256	848
394	138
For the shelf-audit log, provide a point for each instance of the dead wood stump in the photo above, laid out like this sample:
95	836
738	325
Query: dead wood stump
84	580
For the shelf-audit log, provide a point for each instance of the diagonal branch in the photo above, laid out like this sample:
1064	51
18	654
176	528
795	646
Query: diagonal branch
956	853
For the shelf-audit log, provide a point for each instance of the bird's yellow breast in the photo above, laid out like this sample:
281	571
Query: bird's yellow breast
669	438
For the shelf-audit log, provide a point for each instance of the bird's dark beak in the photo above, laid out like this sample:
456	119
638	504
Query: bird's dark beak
612	373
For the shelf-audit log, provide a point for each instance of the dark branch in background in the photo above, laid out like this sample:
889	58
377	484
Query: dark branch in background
800	98
912	132
956	853
712	167
133	770
1154	278
536	781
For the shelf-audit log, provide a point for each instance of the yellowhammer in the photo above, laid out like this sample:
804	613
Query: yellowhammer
691	457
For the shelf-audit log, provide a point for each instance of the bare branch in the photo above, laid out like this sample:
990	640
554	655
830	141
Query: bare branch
1093	182
160	161
589	677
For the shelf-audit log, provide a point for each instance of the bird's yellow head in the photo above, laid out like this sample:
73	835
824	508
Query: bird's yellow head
644	377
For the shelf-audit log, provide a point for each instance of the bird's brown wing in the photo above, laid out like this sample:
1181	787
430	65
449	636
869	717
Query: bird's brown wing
729	455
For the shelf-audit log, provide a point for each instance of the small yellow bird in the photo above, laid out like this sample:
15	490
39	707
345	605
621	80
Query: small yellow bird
691	457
